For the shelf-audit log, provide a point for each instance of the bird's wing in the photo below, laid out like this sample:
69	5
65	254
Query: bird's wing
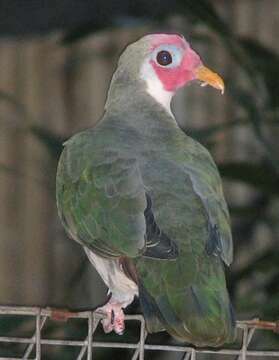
206	184
189	295
189	186
102	200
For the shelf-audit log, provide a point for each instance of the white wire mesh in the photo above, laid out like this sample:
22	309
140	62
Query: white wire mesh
87	345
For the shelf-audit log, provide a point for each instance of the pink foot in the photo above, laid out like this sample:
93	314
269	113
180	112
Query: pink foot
114	319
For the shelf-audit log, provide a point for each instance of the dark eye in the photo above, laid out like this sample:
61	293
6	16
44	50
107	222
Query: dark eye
164	58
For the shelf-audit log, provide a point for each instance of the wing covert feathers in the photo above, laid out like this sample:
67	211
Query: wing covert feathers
101	198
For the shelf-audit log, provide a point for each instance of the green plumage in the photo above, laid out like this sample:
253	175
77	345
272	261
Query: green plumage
103	177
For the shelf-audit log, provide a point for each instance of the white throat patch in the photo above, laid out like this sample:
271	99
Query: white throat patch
155	88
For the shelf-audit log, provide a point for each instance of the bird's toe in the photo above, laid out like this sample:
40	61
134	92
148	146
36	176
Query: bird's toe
114	318
119	322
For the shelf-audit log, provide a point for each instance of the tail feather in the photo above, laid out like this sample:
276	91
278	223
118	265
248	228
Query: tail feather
196	315
153	318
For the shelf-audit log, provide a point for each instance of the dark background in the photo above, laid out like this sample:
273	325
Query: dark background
56	60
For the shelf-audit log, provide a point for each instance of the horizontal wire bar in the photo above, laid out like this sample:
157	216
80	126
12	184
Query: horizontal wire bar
25	310
48	313
18	340
172	348
12	358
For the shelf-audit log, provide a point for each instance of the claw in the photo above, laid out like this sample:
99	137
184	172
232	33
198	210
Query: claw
114	318
119	325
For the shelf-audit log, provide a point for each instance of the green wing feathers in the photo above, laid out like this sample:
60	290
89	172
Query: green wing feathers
101	198
101	195
189	295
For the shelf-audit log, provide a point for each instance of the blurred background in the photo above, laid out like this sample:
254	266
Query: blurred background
56	61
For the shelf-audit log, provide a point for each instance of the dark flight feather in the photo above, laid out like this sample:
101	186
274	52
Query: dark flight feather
158	245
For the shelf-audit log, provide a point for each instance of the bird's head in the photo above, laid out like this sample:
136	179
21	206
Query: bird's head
163	63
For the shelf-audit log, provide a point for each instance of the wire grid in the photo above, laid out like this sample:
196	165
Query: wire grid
86	346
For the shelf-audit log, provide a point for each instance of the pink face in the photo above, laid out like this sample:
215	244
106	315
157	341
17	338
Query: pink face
173	61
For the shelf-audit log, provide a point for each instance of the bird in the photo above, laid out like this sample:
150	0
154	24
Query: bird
145	200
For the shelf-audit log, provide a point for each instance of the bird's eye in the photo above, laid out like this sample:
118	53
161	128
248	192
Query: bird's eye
164	58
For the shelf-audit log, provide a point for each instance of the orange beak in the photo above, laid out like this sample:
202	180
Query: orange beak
208	77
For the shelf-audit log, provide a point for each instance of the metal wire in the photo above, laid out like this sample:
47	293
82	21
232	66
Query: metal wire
87	345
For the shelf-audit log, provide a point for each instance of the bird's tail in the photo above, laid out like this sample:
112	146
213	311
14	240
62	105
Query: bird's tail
197	315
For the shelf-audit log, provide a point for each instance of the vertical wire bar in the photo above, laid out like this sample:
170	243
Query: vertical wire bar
249	338
81	353
187	356
136	353
38	335
244	343
193	354
84	348
91	320
142	339
250	335
31	346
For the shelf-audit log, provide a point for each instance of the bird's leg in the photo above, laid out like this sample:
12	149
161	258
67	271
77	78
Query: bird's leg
114	317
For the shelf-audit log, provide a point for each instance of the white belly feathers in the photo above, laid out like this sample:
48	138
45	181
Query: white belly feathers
122	288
